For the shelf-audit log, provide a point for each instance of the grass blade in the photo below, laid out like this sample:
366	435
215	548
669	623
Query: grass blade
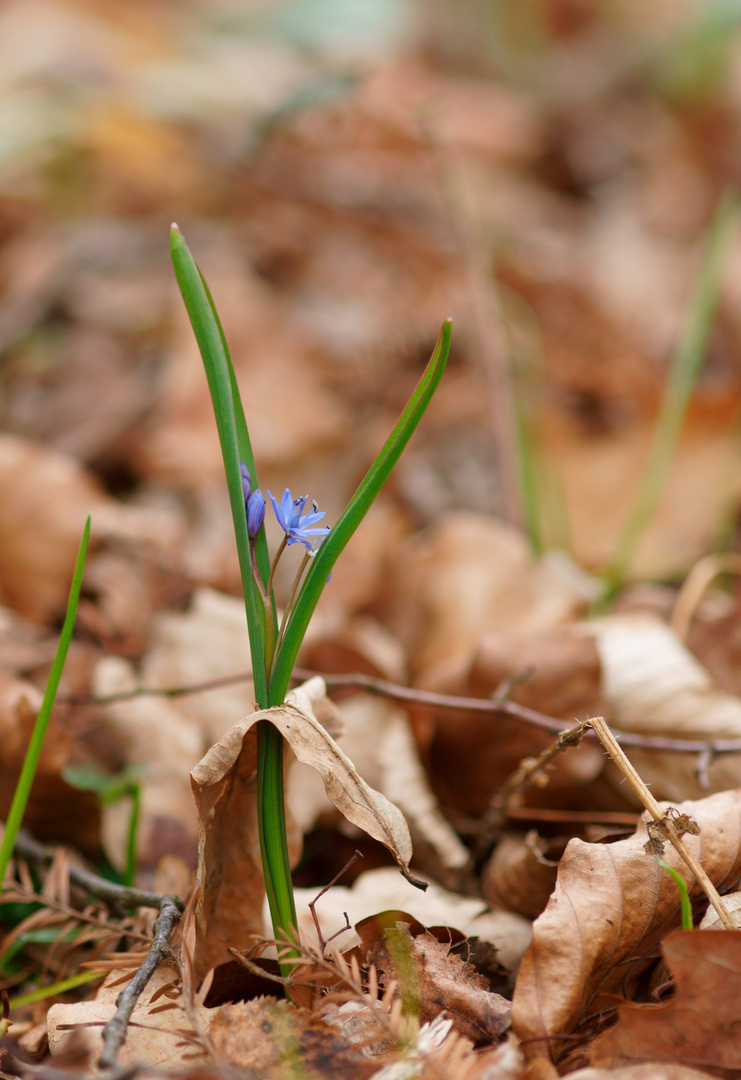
222	387
685	369
353	514
31	760
684	896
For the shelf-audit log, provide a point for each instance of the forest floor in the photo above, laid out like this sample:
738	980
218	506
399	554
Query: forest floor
348	176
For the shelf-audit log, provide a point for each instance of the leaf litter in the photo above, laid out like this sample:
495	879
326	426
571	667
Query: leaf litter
324	219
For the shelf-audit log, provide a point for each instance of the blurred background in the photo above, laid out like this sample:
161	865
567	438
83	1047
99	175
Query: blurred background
349	173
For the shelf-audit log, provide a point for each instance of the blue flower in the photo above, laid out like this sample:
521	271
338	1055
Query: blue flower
295	524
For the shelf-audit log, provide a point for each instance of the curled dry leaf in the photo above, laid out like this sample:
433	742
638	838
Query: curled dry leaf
655	686
612	904
225	789
520	876
699	1026
431	979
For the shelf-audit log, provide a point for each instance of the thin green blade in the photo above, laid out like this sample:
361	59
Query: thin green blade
209	336
354	513
31	760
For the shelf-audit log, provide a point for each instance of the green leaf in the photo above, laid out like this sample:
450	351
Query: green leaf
684	896
31	760
222	387
351	517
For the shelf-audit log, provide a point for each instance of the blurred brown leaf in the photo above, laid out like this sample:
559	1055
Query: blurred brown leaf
699	1026
655	686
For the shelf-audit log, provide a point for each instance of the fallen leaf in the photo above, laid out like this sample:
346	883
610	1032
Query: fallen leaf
225	789
152	736
471	575
469	754
432	980
271	1040
156	1037
700	1025
520	876
385	888
655	686
612	904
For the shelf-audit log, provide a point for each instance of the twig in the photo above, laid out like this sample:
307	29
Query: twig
411	696
114	1031
665	819
312	903
527	772
108	891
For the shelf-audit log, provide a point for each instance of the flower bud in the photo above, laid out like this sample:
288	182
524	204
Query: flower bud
246	482
255	513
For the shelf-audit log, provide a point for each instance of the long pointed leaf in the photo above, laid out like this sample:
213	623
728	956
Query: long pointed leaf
211	344
354	513
31	760
244	443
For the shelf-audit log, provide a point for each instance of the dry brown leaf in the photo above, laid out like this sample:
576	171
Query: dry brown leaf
162	1038
655	686
699	1026
520	876
612	903
469	576
385	888
224	787
469	754
432	980
153	736
272	1040
39	535
378	739
56	811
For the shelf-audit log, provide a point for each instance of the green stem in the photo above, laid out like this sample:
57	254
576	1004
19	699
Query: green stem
292	598
271	818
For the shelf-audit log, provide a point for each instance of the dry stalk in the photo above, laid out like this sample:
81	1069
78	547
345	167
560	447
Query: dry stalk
529	771
668	826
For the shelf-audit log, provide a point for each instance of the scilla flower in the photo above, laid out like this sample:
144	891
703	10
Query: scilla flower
295	524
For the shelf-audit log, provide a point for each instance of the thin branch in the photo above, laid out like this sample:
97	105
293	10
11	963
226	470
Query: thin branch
667	822
114	1031
312	903
529	771
107	891
412	696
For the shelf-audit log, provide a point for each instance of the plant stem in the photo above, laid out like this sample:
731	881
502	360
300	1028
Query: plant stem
271	818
